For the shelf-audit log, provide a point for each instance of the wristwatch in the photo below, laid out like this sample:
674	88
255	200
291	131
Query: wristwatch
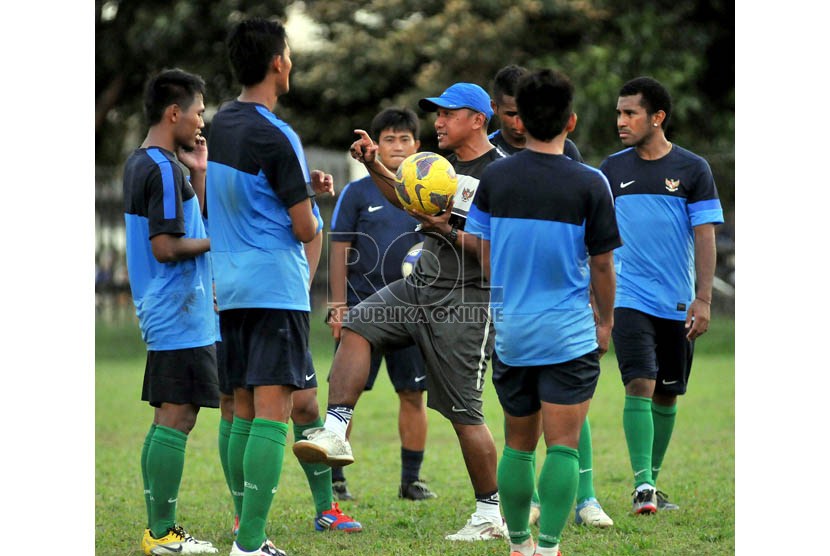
452	235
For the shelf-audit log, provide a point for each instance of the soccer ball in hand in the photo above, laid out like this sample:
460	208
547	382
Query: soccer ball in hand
408	264
426	183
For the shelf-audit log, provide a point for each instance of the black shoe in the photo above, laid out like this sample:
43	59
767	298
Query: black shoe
416	490
663	503
340	491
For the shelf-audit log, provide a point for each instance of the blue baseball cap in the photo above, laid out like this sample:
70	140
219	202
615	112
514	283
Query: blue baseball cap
460	95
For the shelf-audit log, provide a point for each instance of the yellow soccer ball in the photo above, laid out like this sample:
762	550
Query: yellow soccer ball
426	182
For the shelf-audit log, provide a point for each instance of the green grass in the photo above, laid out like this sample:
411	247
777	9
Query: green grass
698	472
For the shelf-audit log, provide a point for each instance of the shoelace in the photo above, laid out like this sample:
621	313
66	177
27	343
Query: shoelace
661	494
641	495
179	531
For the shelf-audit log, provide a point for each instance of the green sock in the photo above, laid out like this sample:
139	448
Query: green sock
223	439
165	462
240	429
318	474
515	480
535	498
663	418
639	435
557	490
585	490
262	466
144	477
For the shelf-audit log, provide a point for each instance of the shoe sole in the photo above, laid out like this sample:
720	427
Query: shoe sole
311	453
646	510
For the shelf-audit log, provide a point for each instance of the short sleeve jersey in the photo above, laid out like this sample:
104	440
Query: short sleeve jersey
174	301
497	138
544	216
447	265
380	235
256	171
658	204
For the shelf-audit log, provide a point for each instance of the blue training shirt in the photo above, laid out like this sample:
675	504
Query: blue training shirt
173	301
380	235
256	171
544	215
659	202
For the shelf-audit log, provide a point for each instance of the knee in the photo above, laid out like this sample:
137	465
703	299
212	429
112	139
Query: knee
305	409
411	400
640	387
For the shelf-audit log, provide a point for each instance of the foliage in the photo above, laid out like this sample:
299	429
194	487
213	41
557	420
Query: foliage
376	53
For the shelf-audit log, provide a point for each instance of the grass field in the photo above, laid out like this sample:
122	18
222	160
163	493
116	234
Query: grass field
698	471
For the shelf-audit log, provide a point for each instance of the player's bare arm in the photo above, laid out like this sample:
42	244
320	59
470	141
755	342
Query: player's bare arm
364	150
603	286
484	257
337	286
303	221
699	313
168	248
195	160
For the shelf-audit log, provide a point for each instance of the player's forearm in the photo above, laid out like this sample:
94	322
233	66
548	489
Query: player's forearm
337	273
603	286
384	180
705	261
312	253
170	249
197	182
470	243
484	257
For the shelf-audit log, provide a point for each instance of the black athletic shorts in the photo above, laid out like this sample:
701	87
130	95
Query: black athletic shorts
654	348
266	347
521	390
181	376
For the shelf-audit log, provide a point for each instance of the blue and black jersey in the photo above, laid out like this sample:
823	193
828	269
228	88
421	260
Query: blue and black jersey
544	215
497	138
380	235
256	171
174	301
658	204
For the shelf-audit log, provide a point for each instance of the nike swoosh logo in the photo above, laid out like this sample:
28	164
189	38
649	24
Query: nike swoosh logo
318	473
640	471
373	209
586	470
172	500
168	548
626	184
667	382
309	377
462	410
419	378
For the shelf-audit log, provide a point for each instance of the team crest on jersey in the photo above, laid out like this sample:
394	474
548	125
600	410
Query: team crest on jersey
672	185
467	193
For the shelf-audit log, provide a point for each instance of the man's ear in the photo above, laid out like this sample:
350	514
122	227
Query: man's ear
172	112
571	125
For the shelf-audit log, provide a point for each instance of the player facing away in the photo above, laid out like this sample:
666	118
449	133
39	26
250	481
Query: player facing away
447	280
539	205
170	279
511	138
261	212
667	208
369	238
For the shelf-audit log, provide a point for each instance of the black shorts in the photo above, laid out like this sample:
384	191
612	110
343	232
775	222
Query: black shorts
405	367
181	376
266	347
452	329
654	348
222	370
521	390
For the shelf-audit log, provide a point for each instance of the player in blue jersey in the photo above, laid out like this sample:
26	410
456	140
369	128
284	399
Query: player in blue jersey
170	279
369	238
548	233
511	139
667	208
261	210
442	307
